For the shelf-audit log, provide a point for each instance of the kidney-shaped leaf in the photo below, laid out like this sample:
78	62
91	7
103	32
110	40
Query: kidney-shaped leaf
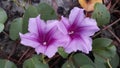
101	14
15	28
34	62
3	16
6	64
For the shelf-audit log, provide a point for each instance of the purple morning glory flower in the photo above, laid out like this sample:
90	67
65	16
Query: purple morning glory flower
44	37
79	29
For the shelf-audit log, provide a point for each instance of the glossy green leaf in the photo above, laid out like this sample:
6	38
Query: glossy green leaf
1	27
6	64
46	11
16	28
34	62
3	16
68	64
103	49
62	52
101	14
29	13
81	59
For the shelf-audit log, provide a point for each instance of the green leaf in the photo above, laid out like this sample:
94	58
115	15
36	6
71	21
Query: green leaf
87	66
101	14
46	11
1	27
34	62
99	58
62	52
6	64
99	64
81	59
102	49
68	64
15	28
29	13
3	16
101	42
115	61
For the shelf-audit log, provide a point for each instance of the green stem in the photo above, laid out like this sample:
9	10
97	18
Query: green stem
43	56
109	63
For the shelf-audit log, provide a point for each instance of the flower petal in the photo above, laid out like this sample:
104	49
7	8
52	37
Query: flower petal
76	15
88	27
65	21
51	50
40	49
86	43
81	44
62	28
61	38
51	24
72	46
29	39
36	25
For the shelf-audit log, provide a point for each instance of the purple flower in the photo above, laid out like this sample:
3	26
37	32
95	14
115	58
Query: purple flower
79	29
44	37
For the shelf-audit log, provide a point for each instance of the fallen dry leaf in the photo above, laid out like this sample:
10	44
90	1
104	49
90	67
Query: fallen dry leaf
88	5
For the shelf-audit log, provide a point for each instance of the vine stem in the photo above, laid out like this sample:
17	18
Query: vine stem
24	55
18	4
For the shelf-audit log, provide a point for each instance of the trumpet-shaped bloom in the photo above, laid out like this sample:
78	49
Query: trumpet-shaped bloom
79	29
44	37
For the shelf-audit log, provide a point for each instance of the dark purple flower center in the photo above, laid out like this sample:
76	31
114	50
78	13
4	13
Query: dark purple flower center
47	38
71	32
74	32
